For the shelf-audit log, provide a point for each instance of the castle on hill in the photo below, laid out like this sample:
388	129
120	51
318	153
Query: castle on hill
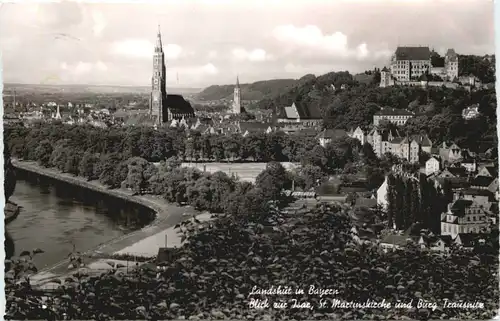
414	64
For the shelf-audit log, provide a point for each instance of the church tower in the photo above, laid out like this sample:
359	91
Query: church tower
237	97
158	86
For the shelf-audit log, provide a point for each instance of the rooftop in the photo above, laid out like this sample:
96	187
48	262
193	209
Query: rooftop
394	112
332	133
461	204
303	111
482	181
469	240
413	53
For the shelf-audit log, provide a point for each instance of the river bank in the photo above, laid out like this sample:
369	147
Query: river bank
143	242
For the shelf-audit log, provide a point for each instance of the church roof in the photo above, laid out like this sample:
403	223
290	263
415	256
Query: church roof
178	105
304	111
291	113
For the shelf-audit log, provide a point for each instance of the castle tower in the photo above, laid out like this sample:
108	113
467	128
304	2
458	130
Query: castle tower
158	97
237	97
386	78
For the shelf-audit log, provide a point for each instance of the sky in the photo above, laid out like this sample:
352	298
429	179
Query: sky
210	42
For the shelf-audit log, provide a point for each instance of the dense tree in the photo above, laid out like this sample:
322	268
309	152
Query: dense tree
106	167
272	180
43	153
400	207
9	182
140	171
312	176
87	165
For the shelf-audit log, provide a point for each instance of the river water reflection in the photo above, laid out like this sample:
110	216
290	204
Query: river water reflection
57	215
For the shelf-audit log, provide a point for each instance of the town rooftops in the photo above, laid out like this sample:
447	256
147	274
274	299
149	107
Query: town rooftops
422	140
332	133
394	112
432	240
478	192
397	140
446	239
413	53
397	240
253	126
307	132
458	171
460	205
469	240
493	170
482	181
454	182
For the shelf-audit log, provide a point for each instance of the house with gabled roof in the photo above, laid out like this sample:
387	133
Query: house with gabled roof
485	183
305	115
327	135
481	197
245	128
400	239
454	172
406	148
469	241
487	170
381	140
450	152
464	216
432	165
424	142
359	134
439	243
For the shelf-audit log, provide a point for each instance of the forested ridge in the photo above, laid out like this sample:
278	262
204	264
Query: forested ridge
253	91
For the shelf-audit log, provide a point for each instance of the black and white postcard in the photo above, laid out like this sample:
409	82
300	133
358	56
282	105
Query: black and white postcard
250	160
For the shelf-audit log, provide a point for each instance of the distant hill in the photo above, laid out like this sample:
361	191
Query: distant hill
308	90
96	89
254	91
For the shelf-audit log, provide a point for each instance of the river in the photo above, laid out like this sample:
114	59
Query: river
57	217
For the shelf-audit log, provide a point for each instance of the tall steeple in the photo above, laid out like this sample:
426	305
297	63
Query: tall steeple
158	84
237	97
158	45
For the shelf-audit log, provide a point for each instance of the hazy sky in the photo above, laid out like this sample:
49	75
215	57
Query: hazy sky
211	41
